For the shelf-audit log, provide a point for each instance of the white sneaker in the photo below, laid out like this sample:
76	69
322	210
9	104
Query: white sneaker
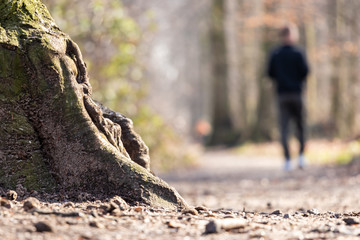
302	161
287	166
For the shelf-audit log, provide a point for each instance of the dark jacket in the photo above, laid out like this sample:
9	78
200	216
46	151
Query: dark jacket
288	68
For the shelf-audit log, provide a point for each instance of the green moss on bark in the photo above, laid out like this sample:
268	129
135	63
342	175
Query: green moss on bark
50	122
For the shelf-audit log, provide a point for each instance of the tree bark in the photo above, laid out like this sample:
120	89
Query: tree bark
53	136
223	130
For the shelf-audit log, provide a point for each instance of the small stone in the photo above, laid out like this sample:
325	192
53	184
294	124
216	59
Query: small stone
72	222
212	227
138	209
94	214
313	211
258	235
269	205
350	221
5	203
111	207
286	215
173	224
96	224
11	195
276	212
302	210
90	207
191	211
104	208
116	212
69	205
43	227
211	214
31	203
120	202
201	208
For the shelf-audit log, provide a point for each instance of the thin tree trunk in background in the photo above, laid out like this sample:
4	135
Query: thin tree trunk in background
354	84
339	72
221	118
312	81
236	92
266	109
254	61
250	54
356	88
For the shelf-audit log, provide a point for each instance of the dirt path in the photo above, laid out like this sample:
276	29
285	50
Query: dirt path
237	197
227	180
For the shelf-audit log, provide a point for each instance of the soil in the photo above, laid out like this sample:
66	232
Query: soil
237	197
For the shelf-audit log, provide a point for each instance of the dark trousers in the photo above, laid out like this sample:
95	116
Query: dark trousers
291	107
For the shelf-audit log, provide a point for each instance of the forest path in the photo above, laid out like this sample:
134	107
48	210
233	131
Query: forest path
317	203
224	179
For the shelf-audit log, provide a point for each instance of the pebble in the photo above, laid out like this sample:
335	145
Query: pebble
96	224
201	208
31	203
5	203
69	205
111	207
116	212
90	207
212	227
313	211
43	227
11	195
138	209
224	224
350	221
173	224
276	212
287	215
120	202
211	214
94	214
191	211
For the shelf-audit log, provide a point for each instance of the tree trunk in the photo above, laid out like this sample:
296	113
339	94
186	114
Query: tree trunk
223	131
53	136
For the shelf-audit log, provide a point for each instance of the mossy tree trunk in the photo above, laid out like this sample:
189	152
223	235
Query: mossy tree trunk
53	136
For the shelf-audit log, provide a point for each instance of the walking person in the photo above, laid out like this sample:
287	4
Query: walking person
288	69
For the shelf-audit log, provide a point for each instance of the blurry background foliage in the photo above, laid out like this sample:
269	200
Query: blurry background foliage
109	40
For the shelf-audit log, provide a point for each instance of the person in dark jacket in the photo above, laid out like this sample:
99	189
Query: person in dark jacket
288	69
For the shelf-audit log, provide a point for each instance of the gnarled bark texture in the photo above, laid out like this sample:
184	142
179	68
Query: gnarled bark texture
52	134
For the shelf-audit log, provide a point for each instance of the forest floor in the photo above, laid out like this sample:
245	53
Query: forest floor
239	196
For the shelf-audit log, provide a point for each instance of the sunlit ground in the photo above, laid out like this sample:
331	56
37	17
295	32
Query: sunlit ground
318	151
251	177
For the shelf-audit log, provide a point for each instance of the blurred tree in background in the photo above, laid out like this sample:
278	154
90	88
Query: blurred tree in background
202	63
109	40
329	33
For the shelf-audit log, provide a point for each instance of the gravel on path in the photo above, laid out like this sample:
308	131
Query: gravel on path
236	196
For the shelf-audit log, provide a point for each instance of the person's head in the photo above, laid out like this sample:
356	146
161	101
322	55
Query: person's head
289	34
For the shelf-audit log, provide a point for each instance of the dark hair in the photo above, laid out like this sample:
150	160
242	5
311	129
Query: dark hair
284	32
